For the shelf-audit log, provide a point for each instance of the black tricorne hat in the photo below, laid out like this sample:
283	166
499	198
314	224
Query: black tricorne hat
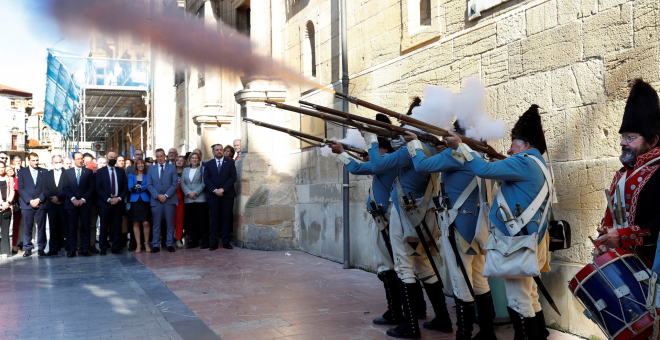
382	141
530	129
642	112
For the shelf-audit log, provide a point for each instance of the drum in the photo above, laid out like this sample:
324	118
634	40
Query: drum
613	290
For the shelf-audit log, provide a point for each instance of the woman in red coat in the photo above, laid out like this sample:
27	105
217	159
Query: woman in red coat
180	163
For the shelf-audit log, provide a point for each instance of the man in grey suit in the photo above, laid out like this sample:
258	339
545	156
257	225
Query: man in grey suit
162	182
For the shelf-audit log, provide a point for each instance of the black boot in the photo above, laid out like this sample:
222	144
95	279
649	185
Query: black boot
525	327
464	319
441	322
420	311
541	331
486	316
409	328
394	313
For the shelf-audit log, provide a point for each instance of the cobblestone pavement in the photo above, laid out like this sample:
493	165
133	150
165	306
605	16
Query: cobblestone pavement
98	297
248	294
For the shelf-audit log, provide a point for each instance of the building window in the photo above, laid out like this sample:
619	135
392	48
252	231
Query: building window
45	135
309	51
475	7
425	12
243	20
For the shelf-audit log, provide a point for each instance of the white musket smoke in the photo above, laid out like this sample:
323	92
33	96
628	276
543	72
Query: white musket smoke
441	106
353	138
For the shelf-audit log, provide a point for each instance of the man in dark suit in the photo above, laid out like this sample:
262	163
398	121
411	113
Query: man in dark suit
78	190
162	183
30	190
111	193
219	179
54	192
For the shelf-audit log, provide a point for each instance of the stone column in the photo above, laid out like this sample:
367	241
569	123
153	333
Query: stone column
260	26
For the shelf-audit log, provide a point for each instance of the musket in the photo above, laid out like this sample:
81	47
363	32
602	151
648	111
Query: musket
341	120
475	144
306	137
399	130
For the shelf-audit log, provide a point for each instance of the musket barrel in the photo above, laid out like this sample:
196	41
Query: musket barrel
304	135
341	120
484	147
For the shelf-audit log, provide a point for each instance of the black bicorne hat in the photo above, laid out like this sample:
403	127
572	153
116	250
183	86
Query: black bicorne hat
642	113
530	129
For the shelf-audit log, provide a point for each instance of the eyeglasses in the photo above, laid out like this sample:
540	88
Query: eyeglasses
629	138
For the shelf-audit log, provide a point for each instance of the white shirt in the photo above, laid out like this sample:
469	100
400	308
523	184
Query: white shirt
192	172
218	162
57	174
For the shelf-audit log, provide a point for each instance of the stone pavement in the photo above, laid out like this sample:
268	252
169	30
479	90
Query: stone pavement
99	297
248	294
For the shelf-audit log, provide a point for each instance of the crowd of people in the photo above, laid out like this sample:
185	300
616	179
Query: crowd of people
170	201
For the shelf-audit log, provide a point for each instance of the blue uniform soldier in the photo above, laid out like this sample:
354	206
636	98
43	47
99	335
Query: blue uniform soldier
461	217
518	215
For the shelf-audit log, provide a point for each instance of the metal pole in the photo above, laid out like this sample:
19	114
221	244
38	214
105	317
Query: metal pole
186	125
344	82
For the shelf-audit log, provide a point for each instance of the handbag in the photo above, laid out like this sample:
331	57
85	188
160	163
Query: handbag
513	257
6	214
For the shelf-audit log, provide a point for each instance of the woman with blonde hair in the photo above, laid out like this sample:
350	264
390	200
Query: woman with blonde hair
140	202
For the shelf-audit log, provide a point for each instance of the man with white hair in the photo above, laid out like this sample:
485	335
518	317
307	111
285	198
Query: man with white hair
67	163
237	148
57	217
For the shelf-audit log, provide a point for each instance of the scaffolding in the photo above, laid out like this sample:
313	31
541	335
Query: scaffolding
92	99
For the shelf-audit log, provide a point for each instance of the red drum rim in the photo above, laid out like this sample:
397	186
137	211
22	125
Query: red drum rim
641	327
600	262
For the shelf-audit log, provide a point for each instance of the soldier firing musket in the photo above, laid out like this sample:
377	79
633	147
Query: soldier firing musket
378	205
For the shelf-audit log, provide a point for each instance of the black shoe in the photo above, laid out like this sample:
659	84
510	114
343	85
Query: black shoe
52	253
213	247
409	328
118	252
41	253
441	322
103	252
418	294
27	253
541	331
171	249
155	250
86	253
525	327
227	246
486	316
394	313
192	245
464	319
71	254
204	246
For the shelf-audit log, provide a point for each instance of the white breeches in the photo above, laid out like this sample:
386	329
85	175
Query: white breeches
474	266
383	258
408	267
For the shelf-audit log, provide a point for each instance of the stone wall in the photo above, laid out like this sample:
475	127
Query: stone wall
574	58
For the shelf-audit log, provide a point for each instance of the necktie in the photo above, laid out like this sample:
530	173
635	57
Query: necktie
78	176
160	173
112	181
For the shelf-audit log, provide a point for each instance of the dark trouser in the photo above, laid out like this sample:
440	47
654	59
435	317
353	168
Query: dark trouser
221	210
196	222
110	218
5	245
57	220
78	216
29	217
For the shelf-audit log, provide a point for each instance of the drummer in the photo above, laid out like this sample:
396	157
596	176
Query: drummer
636	181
